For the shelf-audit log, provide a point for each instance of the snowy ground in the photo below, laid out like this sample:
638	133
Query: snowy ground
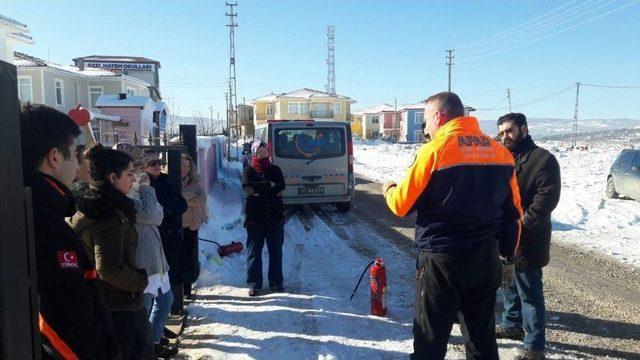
585	216
314	318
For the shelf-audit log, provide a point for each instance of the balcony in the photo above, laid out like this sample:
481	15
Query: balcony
321	114
263	117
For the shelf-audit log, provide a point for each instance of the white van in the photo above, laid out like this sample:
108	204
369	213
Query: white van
316	158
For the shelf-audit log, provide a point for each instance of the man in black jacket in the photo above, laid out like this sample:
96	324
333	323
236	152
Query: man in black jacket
74	320
538	176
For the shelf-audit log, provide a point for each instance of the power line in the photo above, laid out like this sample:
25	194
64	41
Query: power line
551	34
547	21
630	87
533	33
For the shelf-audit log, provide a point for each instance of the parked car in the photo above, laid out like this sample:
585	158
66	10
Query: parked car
624	176
316	158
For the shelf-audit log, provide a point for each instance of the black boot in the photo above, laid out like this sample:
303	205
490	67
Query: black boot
166	351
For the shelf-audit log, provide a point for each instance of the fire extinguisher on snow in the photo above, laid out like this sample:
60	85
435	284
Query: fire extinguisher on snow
377	285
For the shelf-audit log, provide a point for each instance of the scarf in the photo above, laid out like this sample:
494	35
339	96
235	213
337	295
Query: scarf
119	201
261	165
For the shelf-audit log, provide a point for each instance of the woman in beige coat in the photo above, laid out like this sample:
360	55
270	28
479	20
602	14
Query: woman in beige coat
192	220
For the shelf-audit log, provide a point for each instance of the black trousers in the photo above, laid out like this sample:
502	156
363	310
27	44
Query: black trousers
460	283
191	265
134	334
257	235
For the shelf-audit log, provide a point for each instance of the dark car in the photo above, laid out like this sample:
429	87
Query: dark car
624	176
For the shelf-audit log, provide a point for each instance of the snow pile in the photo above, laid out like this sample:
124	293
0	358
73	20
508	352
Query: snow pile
584	216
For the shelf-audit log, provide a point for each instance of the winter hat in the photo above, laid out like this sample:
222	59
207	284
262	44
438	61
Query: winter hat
138	156
256	145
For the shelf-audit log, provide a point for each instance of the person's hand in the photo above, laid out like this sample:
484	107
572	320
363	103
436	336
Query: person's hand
508	273
386	186
273	184
144	179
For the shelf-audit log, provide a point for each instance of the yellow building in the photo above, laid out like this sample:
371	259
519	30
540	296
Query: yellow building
356	125
303	104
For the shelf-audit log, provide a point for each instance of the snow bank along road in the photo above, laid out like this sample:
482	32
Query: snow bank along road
593	302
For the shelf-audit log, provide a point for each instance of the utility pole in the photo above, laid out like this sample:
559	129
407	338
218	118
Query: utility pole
233	101
226	99
330	88
575	118
509	97
449	64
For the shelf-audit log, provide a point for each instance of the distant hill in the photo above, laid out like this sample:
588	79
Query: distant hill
545	127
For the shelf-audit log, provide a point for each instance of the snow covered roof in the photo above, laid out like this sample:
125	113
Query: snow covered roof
419	105
373	109
99	116
14	24
116	58
304	93
24	60
15	30
129	101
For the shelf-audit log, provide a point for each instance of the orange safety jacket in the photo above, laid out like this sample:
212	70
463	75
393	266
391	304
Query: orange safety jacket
463	187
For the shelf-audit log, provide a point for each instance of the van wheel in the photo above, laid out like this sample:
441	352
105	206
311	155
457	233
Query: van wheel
611	189
343	207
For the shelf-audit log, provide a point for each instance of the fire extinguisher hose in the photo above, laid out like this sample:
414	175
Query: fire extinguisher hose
360	280
210	241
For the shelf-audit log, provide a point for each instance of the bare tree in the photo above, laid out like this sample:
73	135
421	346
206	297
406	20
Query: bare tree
173	118
205	126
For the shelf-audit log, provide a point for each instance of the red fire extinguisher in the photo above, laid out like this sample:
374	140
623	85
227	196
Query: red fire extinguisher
225	250
378	286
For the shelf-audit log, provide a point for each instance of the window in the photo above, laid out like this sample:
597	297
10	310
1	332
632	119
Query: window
59	92
270	109
131	91
25	89
418	135
94	94
624	160
293	108
419	117
304	108
375	119
337	108
310	143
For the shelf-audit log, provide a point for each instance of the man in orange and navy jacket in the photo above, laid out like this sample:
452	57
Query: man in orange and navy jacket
463	188
73	317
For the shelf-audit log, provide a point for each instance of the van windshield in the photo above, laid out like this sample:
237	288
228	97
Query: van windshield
310	143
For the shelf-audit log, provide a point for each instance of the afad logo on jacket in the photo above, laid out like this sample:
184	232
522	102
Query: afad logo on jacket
67	260
473	141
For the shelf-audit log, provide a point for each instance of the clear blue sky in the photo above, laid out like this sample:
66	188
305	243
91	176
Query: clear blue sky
384	49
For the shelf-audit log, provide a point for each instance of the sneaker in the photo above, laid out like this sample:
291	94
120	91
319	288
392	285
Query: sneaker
253	292
526	354
165	351
513	333
169	334
188	297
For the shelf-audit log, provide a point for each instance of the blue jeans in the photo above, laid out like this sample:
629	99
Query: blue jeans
256	237
159	313
524	306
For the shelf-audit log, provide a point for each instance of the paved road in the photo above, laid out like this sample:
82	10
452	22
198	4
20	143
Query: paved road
593	302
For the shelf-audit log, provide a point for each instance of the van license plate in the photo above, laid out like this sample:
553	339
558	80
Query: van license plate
315	190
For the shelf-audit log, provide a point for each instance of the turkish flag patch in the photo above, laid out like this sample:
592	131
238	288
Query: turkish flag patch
67	260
